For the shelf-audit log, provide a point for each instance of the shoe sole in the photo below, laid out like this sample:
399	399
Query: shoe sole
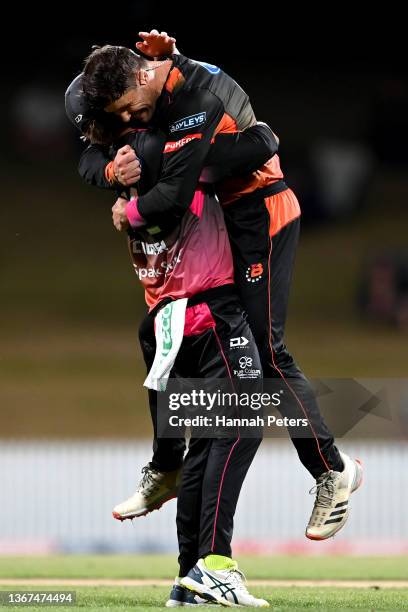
359	477
357	482
156	506
194	586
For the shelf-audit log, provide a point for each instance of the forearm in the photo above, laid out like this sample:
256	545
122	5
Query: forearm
94	166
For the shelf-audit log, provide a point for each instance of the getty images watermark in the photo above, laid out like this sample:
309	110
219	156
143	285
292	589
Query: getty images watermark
209	400
217	401
216	408
276	407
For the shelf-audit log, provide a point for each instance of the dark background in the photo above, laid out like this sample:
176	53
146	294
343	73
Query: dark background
334	88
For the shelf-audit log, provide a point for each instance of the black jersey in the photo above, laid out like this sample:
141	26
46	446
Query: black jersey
198	101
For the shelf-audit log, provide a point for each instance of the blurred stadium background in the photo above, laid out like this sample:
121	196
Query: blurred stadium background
74	425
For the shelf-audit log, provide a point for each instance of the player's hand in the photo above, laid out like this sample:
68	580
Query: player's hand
126	166
156	43
120	220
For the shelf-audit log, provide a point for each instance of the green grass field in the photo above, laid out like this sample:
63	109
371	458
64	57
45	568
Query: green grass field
165	566
154	567
153	598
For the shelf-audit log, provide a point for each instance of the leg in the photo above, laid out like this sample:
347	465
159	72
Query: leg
214	469
228	464
168	452
229	459
315	446
264	256
160	480
189	503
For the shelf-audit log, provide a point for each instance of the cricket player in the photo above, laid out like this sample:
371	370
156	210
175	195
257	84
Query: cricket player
192	262
191	102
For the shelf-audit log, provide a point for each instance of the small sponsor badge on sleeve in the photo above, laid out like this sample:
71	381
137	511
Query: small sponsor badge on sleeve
187	123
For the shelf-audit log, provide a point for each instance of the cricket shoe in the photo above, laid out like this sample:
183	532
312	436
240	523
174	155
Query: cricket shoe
333	490
180	596
154	489
226	587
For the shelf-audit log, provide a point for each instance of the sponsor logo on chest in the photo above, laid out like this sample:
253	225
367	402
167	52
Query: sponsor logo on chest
189	122
149	248
170	147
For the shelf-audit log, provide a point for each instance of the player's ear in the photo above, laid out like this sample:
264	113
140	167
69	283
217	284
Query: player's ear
141	77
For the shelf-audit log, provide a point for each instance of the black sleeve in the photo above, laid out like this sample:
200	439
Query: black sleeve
183	156
92	166
242	152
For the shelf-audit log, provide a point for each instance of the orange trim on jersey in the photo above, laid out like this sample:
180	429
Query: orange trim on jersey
235	187
174	80
227	125
283	208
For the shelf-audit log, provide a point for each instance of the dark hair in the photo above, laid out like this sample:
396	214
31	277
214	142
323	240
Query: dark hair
103	130
108	73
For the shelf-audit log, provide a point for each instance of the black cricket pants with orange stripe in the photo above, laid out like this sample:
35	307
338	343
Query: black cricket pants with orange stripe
264	229
214	469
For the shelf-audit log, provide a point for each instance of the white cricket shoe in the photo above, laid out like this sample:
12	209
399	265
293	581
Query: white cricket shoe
333	489
226	587
155	489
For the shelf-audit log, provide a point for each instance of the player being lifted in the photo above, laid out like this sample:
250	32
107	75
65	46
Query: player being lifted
192	101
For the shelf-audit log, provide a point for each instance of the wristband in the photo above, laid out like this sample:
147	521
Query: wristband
134	217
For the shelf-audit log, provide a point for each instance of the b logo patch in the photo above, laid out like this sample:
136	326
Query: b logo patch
254	273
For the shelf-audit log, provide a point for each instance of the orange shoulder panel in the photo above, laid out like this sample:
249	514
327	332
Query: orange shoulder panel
174	80
226	125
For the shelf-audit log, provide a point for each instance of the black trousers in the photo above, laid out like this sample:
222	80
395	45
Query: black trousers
168	453
264	249
214	467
